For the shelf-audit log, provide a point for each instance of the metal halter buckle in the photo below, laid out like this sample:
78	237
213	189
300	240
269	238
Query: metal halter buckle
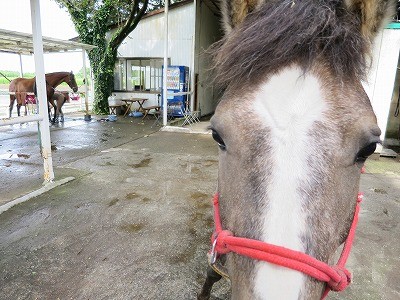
213	252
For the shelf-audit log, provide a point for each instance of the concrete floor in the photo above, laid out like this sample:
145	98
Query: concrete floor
136	220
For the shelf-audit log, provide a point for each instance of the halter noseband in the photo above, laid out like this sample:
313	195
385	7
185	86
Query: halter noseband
336	277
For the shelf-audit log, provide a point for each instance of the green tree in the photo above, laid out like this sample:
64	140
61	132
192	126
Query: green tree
92	20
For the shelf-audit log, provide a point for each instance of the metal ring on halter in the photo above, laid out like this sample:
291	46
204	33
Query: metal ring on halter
213	252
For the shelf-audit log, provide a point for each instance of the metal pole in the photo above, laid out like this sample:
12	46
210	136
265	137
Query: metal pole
192	77
44	131
192	73
165	91
92	84
86	81
21	71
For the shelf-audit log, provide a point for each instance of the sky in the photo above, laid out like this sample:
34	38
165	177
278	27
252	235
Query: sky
15	15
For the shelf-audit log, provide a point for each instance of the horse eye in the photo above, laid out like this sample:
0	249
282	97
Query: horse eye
218	139
363	154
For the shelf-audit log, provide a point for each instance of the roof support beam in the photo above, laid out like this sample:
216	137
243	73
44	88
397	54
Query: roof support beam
165	90
44	130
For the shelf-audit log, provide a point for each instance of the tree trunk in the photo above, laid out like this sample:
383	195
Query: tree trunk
103	73
102	89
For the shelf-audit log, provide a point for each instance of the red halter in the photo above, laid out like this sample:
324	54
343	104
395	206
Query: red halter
337	277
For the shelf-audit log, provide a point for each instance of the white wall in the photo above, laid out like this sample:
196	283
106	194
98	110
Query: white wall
381	78
147	40
207	32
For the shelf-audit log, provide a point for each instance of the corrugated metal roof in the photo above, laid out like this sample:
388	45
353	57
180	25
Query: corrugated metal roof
18	42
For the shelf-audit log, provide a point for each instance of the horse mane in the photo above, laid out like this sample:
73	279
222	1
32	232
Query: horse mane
282	33
54	73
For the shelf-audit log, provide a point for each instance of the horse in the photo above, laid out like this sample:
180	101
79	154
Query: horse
294	127
20	86
57	101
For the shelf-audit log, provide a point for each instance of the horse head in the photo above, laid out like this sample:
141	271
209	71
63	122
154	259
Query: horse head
72	82
294	127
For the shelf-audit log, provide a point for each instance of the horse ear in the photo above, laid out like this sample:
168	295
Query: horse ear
234	12
373	14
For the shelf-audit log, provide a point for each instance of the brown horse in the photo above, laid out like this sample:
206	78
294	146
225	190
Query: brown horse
57	102
294	128
20	86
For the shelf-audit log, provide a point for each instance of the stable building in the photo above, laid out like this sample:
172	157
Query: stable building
193	27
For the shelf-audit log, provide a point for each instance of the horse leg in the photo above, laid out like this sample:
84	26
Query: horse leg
62	101
212	277
50	105
21	97
12	100
54	120
55	117
61	115
49	111
56	105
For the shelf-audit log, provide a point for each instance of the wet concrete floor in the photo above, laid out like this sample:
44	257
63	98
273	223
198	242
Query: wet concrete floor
136	221
71	141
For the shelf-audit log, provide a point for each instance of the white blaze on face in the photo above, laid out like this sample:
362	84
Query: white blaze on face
289	104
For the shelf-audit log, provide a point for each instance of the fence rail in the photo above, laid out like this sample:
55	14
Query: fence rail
18	120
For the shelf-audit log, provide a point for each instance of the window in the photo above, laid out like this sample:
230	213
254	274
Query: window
138	74
119	76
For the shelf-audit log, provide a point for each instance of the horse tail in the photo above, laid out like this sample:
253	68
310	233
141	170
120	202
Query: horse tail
12	89
34	87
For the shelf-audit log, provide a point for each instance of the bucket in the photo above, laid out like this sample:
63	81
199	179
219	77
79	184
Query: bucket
136	114
113	101
112	118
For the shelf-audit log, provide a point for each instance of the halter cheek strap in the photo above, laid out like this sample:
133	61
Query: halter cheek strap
336	277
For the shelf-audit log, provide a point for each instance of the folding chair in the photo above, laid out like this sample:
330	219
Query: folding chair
159	116
190	117
158	113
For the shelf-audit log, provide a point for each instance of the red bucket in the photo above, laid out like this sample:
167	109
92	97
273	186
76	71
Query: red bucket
30	99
